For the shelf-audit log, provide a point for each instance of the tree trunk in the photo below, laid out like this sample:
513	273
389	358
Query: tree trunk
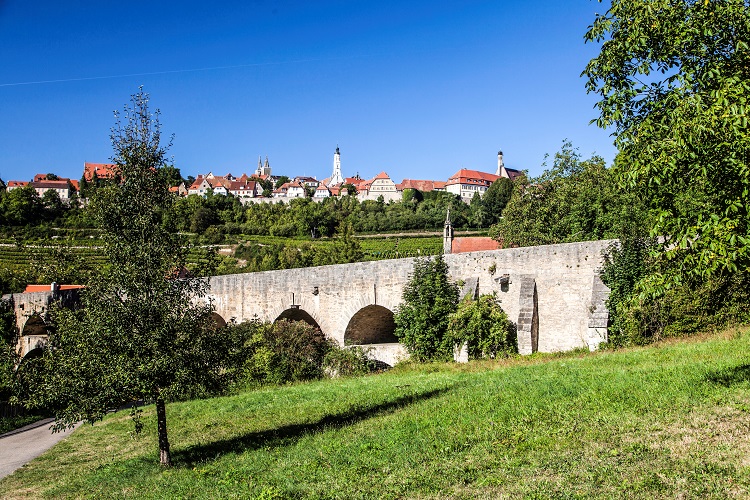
165	458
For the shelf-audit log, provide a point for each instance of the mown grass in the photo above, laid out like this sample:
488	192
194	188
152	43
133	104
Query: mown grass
667	421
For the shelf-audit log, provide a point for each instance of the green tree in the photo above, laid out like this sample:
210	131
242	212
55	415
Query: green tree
422	317
484	327
22	206
573	200
171	175
280	352
281	180
345	248
8	342
674	78
496	198
143	332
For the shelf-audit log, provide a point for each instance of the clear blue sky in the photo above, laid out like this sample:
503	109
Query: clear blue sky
416	88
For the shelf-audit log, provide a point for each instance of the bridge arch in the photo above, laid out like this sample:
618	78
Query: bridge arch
35	325
34	353
372	324
218	321
297	314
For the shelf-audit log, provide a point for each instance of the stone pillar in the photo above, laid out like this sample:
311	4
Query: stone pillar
448	234
527	327
598	315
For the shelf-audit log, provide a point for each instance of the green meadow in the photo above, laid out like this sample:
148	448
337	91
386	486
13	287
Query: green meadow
667	421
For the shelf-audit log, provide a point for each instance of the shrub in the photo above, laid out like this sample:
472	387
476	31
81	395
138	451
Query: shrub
646	303
422	318
484	327
280	352
347	362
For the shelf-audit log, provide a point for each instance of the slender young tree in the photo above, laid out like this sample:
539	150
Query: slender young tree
144	331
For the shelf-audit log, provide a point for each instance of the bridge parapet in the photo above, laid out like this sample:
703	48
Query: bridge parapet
549	290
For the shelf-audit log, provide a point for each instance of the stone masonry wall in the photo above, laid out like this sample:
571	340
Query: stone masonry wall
563	277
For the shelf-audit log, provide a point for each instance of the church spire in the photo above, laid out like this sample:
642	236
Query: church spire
336	177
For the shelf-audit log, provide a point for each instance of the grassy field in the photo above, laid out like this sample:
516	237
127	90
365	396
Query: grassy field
667	421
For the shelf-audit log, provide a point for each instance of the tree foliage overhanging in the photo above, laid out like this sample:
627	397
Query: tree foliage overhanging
674	79
573	200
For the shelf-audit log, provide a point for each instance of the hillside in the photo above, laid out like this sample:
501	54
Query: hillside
666	421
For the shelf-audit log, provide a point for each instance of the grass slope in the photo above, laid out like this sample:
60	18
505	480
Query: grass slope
661	422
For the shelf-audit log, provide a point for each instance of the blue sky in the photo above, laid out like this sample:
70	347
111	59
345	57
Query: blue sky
417	88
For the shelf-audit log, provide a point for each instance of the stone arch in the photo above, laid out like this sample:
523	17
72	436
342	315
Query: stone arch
218	320
297	314
371	325
34	353
35	325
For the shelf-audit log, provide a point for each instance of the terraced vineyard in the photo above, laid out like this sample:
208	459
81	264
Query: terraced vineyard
19	258
396	248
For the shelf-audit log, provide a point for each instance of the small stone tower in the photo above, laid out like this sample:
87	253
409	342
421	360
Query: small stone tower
336	177
500	164
448	233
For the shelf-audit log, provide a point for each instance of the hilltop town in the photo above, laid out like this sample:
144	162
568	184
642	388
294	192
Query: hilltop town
262	186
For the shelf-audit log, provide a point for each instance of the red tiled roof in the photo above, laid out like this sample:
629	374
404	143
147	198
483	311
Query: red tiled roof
466	176
242	186
354	181
219	181
197	183
51	184
423	186
474	244
47	288
381	175
17	184
98	170
513	173
76	184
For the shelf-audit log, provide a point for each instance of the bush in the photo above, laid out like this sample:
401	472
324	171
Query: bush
347	362
281	352
646	303
422	318
484	327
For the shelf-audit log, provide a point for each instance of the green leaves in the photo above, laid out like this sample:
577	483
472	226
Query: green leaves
422	318
682	139
484	327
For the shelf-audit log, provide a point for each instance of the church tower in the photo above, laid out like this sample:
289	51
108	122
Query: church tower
500	165
336	177
263	168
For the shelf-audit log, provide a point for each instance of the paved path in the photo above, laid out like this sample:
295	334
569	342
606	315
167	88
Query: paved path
17	449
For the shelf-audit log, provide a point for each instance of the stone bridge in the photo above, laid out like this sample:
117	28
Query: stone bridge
31	311
552	293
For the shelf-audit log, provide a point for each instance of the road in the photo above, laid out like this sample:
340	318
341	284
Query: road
18	449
